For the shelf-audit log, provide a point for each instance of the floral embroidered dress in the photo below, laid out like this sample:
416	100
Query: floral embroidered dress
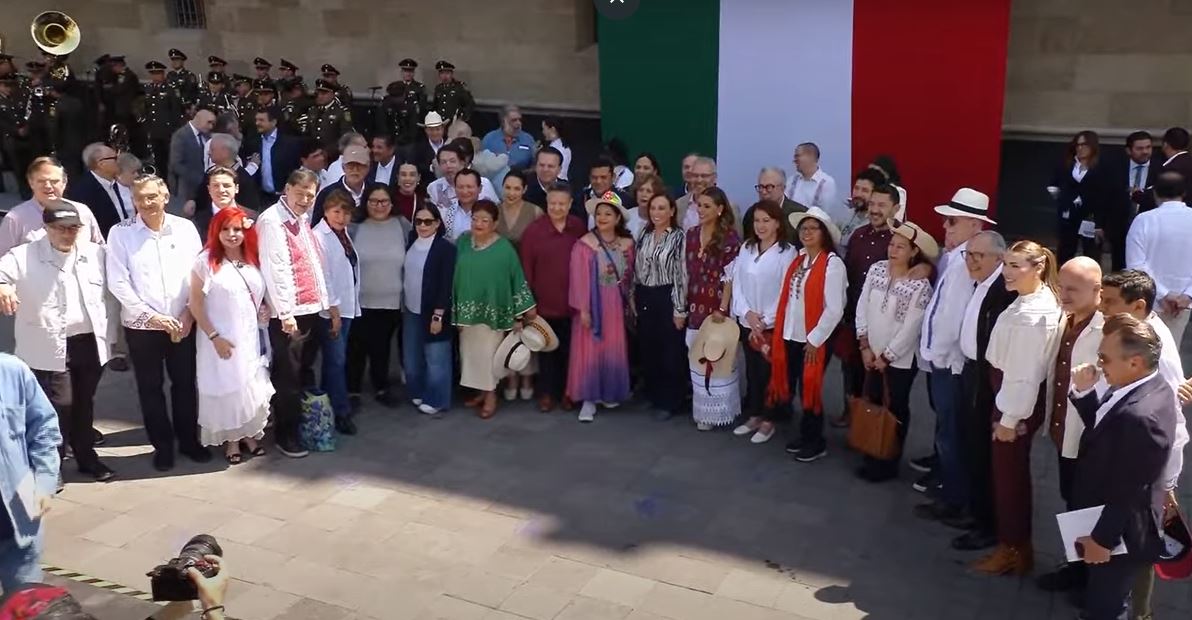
490	287
890	313
598	369
705	274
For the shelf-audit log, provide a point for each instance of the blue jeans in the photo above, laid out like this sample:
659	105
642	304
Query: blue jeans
945	387
335	358
19	566
427	364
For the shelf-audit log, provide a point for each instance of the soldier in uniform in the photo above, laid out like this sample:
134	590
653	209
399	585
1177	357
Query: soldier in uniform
35	92
452	98
182	80
294	117
404	105
244	102
162	109
342	91
6	67
68	120
215	99
265	93
287	69
215	64
262	68
119	94
14	132
328	118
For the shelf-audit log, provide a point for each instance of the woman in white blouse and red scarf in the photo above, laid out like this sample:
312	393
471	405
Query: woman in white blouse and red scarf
810	307
1017	353
889	319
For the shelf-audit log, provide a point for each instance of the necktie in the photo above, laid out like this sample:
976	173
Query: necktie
1137	185
119	200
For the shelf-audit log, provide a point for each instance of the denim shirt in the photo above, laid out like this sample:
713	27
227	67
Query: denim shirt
29	439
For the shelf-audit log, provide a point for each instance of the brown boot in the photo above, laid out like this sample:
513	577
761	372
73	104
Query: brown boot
546	404
1024	559
1007	560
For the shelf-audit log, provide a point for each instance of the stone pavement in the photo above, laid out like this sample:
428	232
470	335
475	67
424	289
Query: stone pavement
533	515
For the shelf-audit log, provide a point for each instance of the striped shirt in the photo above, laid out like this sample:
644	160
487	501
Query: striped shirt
661	262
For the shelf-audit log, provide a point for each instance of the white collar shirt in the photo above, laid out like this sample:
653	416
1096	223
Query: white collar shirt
757	281
817	191
23	225
1158	245
939	340
1116	395
149	271
972	310
1137	175
835	297
111	189
385	171
126	196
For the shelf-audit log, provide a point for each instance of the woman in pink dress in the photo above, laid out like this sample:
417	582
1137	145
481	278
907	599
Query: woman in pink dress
601	270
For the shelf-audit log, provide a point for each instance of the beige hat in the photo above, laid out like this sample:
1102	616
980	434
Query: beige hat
821	215
433	119
713	352
539	336
356	155
512	356
967	203
921	238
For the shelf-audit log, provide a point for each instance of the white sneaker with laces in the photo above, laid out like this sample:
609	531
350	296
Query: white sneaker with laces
587	412
511	393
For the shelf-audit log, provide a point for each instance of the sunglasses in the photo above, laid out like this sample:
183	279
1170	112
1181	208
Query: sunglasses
425	221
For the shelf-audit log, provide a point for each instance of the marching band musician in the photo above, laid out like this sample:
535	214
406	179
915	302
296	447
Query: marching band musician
14	131
162	113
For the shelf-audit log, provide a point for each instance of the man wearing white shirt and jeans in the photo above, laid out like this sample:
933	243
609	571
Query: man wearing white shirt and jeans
811	186
1159	244
940	352
149	261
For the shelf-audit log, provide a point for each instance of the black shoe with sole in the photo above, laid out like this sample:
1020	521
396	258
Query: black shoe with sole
99	471
810	453
345	426
925	482
960	522
793	446
118	364
97	438
1069	576
163	461
198	454
974	541
291	448
925	464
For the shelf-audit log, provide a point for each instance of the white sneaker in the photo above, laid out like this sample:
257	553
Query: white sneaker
417	401
587	412
427	409
526	393
760	437
511	393
609	405
703	427
742	430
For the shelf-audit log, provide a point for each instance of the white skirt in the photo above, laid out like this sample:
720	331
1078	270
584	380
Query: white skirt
236	415
718	402
477	346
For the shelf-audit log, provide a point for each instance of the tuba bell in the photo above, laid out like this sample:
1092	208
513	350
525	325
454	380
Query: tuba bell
56	33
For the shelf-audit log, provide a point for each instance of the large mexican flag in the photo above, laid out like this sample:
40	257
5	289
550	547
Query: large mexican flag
746	80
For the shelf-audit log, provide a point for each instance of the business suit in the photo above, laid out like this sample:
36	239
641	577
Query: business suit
391	180
1116	204
1077	201
536	192
248	197
423	156
284	158
186	167
1121	459
86	189
976	409
1181	162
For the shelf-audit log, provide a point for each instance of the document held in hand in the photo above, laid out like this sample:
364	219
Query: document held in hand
1080	523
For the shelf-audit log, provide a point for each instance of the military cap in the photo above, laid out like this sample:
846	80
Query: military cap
153	66
216	60
327	68
443	65
321	84
119	59
176	54
216	77
285	64
103	60
408	63
238	78
264	85
261	63
295	83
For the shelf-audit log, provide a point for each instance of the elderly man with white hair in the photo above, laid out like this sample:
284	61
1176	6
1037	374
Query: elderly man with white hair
335	171
771	183
98	189
511	140
224	150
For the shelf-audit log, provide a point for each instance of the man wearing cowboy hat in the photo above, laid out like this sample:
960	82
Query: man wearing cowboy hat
939	349
181	79
403	107
427	149
452	98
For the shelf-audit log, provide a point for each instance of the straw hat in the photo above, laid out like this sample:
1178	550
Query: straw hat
713	353
921	238
610	198
821	215
512	356
967	203
539	336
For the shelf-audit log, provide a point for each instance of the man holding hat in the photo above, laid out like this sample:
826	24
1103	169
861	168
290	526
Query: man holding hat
404	105
55	286
163	115
342	92
182	80
452	98
215	98
329	118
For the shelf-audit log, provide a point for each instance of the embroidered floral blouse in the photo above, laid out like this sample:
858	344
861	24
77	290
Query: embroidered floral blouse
890	314
705	274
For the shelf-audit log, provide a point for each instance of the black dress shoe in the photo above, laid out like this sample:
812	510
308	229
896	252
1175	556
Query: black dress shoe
345	426
198	454
118	364
975	540
1069	576
960	522
388	399
99	471
97	438
163	461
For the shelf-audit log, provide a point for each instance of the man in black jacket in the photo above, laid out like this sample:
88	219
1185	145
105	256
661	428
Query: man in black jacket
1128	183
1128	435
279	155
600	181
548	163
97	187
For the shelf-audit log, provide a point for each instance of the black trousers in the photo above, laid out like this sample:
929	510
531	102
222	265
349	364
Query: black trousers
369	344
72	392
662	348
1069	242
1109	585
159	148
150	352
811	423
757	378
900	381
552	367
1067	477
974	429
293	358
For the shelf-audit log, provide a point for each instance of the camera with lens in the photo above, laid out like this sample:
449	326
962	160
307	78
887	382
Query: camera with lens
169	581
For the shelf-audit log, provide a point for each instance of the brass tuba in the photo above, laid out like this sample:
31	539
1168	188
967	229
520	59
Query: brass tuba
56	33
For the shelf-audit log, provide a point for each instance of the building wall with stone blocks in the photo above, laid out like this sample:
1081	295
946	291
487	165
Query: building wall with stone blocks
538	52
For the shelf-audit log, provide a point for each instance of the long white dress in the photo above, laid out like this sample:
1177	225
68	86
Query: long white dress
233	393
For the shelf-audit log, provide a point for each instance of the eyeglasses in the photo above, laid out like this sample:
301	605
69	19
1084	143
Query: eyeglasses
379	202
769	187
977	256
425	221
109	158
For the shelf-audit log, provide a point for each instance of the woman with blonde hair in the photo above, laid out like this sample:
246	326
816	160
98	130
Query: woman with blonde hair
1017	355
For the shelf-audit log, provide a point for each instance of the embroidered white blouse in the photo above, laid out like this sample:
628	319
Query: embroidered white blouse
1019	345
890	313
835	294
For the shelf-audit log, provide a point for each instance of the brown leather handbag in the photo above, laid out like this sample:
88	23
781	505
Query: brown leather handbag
873	429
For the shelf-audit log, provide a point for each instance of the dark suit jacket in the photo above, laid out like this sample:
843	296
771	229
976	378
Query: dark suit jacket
1090	190
582	196
85	189
316	213
1116	209
186	168
284	157
437	276
422	155
248	197
995	303
535	194
392	181
1120	464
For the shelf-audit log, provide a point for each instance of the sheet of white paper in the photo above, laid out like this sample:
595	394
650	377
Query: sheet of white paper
27	492
1079	523
1088	229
